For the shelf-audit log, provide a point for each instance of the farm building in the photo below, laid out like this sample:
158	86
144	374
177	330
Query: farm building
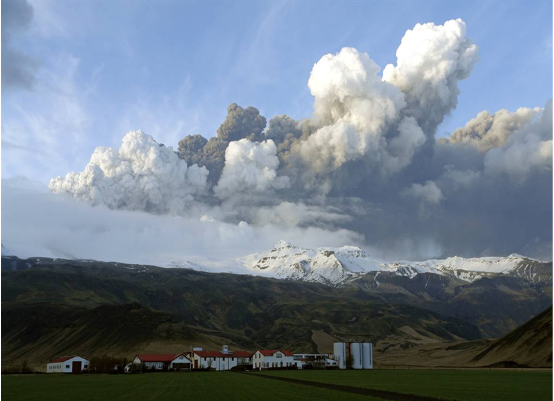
163	361
67	364
219	360
267	359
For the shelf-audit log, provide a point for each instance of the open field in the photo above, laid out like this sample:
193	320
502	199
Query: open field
479	384
460	385
213	386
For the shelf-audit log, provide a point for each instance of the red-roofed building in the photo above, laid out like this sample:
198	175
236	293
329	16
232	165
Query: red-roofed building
67	364
219	360
163	361
273	358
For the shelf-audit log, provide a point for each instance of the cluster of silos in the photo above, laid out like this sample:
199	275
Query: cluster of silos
354	355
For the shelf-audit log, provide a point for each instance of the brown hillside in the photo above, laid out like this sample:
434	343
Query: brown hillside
530	345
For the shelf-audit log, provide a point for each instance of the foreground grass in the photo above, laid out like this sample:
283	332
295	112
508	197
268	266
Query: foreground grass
213	386
460	385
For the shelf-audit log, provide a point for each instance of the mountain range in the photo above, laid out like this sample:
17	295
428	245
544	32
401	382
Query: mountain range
513	288
340	266
291	297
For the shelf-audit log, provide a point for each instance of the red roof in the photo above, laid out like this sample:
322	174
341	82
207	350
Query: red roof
157	357
270	352
63	358
241	354
209	354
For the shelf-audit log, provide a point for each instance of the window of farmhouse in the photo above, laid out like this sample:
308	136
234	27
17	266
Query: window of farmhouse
67	366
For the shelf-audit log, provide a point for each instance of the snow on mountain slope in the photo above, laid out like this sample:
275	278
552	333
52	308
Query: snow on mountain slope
337	266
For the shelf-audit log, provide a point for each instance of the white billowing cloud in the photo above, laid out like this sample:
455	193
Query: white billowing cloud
526	151
333	145
353	107
431	59
346	87
487	131
426	193
250	167
141	175
385	120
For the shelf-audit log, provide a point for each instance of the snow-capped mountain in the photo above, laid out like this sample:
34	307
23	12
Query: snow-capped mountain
337	266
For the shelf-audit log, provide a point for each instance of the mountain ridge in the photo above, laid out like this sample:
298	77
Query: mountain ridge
339	266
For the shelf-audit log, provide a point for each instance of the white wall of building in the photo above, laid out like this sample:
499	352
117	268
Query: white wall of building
66	366
180	359
277	360
226	362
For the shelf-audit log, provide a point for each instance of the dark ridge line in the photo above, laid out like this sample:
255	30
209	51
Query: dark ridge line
387	395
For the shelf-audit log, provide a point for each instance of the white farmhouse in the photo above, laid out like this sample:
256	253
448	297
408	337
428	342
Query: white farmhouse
67	364
219	360
163	361
268	359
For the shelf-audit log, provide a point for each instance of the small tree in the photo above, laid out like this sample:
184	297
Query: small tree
25	367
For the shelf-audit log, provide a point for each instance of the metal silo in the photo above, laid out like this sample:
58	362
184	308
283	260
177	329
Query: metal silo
339	349
356	354
367	351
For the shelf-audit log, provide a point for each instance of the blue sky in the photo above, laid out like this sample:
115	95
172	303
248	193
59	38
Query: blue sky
103	68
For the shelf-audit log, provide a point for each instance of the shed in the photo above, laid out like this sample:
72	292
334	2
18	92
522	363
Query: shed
67	364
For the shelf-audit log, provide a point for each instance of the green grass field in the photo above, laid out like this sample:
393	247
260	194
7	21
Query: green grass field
486	385
212	386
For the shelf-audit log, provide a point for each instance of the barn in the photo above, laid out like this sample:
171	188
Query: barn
67	364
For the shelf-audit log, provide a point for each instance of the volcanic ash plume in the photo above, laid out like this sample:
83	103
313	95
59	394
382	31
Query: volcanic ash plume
239	124
487	131
526	151
366	161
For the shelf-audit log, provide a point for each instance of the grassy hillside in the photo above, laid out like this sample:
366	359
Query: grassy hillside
58	307
528	345
510	300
